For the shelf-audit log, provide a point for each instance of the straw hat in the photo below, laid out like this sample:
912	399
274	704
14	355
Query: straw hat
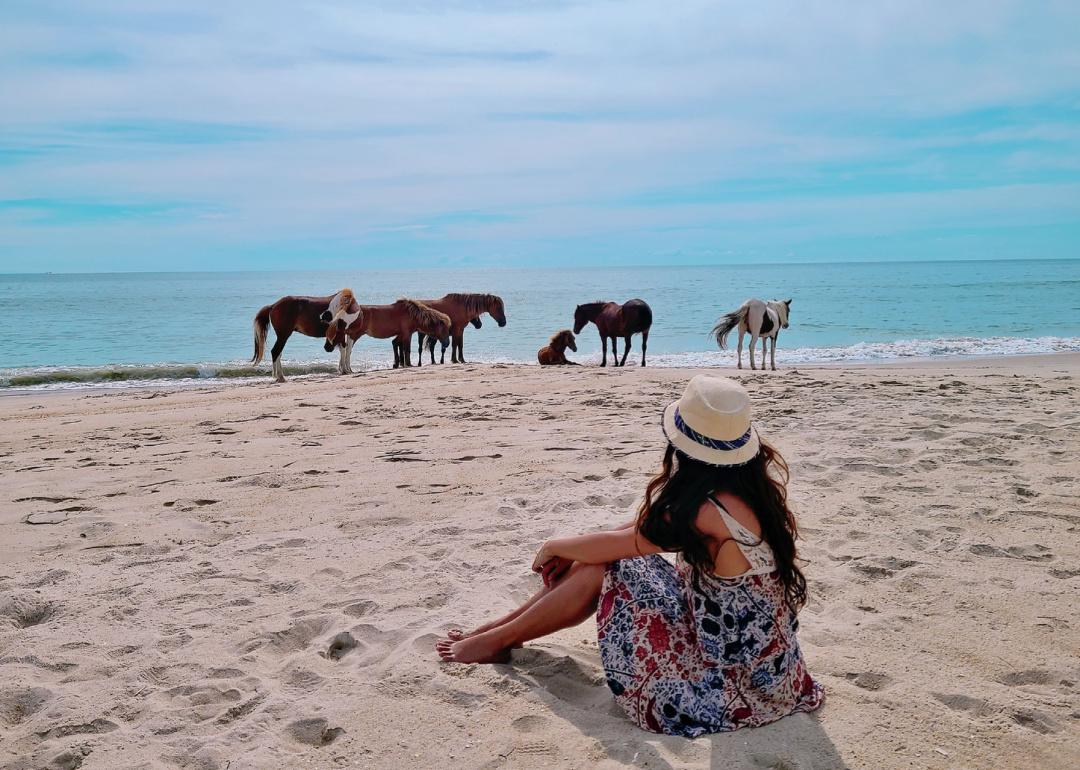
711	422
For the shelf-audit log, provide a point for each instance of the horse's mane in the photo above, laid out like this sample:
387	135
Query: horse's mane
557	337
476	303
593	307
422	314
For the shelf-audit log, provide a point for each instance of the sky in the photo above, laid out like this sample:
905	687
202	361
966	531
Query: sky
244	134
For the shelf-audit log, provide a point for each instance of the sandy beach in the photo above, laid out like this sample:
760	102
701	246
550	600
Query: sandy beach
254	576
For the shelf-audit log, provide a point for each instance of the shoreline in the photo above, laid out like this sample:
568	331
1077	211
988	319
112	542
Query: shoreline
1067	360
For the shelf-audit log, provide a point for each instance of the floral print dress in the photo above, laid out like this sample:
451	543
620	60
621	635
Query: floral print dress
687	662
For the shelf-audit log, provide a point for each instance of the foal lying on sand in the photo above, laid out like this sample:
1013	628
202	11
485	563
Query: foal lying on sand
555	352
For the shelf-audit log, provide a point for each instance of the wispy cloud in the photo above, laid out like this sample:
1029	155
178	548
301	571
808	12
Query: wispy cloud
470	130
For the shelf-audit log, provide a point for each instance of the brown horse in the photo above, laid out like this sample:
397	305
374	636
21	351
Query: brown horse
555	352
289	314
398	322
614	320
463	309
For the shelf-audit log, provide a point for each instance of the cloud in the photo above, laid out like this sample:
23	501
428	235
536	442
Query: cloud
474	130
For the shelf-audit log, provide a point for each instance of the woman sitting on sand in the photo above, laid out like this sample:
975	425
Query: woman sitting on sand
705	645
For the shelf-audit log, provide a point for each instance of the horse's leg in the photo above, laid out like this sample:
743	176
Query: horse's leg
342	367
442	356
614	351
644	345
349	342
459	340
406	349
753	344
397	352
603	347
420	348
275	353
740	347
626	349
772	352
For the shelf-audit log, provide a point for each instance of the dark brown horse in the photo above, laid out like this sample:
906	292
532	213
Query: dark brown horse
305	314
614	320
463	309
398	322
555	352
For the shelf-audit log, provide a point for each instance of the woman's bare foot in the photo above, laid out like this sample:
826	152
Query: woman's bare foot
481	648
456	634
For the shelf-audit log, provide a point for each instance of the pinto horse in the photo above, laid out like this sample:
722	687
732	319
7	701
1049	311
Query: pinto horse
307	315
398	322
555	352
614	320
760	319
463	309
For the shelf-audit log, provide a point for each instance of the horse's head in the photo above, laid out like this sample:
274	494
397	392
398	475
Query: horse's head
497	311
785	313
568	339
337	333
581	317
476	322
439	328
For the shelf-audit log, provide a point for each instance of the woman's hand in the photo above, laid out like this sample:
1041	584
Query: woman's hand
554	569
543	556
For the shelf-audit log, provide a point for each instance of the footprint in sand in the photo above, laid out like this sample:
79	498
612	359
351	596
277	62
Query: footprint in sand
1033	552
1030	676
869	680
1036	720
25	611
313	732
979	707
340	646
530	723
19	703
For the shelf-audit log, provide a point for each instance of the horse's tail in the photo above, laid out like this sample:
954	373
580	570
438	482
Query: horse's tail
726	324
261	325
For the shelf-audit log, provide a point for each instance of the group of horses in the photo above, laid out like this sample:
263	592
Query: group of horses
340	320
612	321
761	320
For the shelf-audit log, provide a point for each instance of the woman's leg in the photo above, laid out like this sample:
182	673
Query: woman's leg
569	603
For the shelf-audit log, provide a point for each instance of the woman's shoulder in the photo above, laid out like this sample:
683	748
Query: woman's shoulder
712	521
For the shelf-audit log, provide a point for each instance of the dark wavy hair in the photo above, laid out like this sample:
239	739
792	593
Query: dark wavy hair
668	514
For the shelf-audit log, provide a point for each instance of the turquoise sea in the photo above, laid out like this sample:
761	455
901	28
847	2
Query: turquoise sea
116	329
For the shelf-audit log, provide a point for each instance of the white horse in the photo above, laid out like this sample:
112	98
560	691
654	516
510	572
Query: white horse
344	310
760	319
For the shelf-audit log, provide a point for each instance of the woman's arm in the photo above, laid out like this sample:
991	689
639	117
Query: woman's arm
597	548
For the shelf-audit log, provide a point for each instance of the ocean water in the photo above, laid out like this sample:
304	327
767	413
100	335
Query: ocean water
116	329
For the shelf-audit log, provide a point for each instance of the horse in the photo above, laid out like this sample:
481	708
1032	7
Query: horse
429	342
614	320
291	314
555	352
761	319
398	322
463	309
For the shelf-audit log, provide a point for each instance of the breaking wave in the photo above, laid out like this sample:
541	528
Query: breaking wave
181	375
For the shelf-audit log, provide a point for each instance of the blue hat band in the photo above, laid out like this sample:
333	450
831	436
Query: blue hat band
711	443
